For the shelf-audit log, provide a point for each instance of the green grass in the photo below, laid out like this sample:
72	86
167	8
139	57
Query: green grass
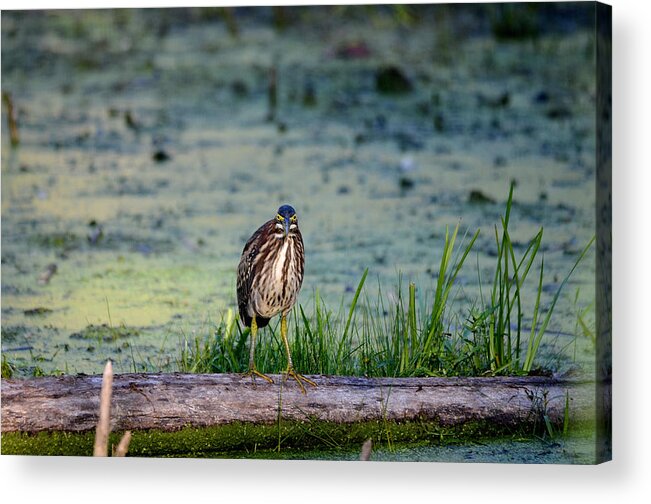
8	368
405	336
497	329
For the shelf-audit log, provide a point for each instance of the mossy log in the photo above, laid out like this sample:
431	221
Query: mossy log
169	402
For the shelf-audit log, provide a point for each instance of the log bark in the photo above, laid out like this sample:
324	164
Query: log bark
172	401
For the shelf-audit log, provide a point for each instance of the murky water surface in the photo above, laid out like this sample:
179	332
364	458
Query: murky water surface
156	128
576	450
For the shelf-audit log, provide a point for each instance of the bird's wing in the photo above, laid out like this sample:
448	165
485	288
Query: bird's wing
301	252
245	274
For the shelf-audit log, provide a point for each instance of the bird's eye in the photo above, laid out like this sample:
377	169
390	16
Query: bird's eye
279	218
293	218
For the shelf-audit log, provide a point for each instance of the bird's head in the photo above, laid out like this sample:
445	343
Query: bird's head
286	221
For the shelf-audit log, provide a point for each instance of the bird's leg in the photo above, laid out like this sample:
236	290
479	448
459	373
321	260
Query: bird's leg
290	367
253	372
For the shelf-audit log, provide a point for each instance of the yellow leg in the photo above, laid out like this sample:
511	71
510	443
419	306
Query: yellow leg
290	367
253	372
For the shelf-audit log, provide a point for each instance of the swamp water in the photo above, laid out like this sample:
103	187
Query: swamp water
150	151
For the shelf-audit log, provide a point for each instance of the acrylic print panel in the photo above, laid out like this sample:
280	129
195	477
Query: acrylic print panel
448	169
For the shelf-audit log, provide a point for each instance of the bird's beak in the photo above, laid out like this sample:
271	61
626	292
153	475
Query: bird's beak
286	222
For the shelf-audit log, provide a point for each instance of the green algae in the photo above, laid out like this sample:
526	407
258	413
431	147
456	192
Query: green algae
265	441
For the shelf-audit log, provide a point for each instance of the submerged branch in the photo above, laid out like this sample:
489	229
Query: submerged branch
12	123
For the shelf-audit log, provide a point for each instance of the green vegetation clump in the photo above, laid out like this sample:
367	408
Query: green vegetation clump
11	334
515	22
37	312
105	332
7	368
63	241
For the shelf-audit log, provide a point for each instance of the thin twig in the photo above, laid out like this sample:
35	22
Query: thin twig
228	14
104	422
47	274
272	93
123	445
366	450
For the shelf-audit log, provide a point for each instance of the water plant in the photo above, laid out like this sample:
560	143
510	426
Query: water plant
497	329
8	368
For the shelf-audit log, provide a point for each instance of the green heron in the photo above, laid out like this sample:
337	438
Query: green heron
269	277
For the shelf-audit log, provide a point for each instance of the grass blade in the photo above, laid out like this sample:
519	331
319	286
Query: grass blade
344	337
537	336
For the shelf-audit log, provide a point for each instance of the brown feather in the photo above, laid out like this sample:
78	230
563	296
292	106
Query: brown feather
260	289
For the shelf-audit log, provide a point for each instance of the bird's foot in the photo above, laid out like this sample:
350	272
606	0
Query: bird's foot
253	372
290	372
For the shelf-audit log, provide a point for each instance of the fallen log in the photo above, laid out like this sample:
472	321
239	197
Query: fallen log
169	402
